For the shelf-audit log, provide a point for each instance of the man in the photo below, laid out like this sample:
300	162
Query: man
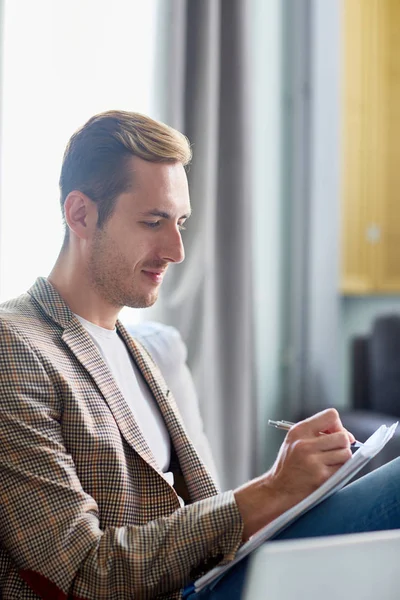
102	494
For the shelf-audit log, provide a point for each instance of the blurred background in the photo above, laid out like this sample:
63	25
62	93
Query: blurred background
292	108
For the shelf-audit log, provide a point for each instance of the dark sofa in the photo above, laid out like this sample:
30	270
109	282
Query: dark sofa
375	385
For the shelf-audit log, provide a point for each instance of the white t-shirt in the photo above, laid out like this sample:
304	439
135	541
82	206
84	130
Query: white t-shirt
136	393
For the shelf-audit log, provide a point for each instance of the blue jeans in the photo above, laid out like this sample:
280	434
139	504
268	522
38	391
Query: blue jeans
371	503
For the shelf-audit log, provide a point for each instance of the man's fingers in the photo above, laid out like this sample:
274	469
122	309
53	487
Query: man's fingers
333	441
337	457
328	420
351	437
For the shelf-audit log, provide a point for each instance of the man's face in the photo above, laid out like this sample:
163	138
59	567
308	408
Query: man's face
129	255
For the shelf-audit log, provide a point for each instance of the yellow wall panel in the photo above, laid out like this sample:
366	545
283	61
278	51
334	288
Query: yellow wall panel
371	147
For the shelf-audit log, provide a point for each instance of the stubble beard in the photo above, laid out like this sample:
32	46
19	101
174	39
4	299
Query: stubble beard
111	277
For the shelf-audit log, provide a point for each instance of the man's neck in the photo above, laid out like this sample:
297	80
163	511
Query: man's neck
73	286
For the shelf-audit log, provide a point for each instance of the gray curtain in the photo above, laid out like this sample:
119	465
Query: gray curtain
203	86
297	150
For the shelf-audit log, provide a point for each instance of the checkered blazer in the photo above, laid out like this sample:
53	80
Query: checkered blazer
84	510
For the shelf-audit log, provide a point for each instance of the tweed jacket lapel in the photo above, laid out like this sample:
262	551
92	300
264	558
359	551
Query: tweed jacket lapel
199	482
81	345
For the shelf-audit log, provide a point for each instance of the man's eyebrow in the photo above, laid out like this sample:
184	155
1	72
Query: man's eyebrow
160	213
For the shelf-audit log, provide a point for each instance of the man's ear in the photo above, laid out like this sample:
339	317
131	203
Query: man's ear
80	214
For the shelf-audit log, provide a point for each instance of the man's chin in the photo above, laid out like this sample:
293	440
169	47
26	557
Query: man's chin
144	302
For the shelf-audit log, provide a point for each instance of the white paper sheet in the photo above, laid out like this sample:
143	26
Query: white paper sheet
359	459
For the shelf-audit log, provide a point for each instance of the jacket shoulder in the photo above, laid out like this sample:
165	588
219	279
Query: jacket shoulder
23	316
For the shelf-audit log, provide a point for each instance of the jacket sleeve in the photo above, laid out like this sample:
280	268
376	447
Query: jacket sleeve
50	527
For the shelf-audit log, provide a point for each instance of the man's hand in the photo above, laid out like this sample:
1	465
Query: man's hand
311	452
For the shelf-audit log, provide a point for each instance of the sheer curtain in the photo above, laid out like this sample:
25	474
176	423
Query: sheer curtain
62	62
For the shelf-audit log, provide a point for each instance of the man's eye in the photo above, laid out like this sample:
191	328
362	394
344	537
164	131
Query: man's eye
152	224
155	224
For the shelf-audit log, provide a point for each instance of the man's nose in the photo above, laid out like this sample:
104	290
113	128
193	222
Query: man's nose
173	249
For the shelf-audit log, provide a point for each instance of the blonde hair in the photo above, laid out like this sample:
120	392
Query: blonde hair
98	154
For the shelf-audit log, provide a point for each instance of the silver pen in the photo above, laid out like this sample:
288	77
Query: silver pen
286	425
